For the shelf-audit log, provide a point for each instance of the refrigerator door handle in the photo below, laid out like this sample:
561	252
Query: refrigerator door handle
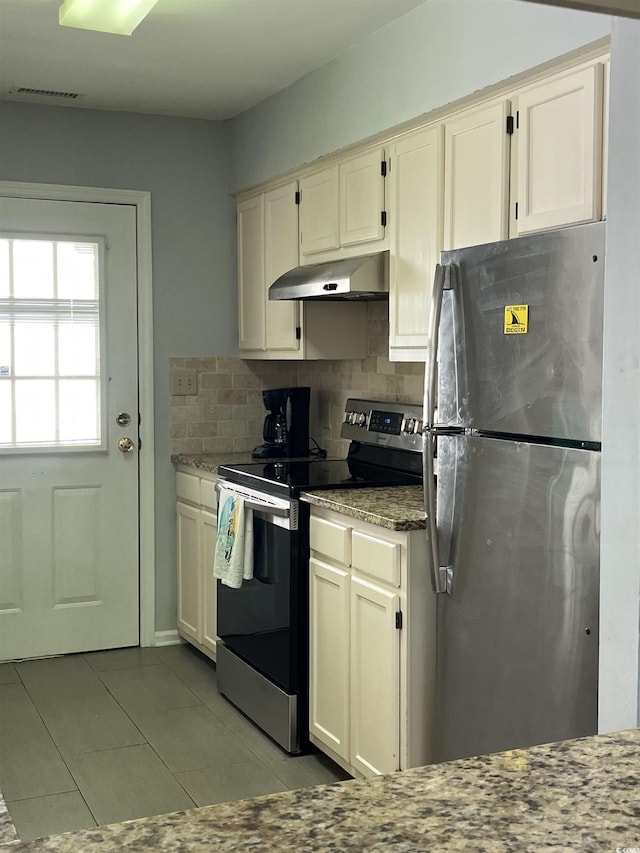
441	282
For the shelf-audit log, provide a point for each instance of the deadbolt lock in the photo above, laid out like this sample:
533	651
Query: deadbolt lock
123	419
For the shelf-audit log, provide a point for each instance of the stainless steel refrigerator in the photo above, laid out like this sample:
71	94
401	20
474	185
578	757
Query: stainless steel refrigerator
513	410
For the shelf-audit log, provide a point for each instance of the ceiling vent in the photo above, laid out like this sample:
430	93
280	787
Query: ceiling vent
26	92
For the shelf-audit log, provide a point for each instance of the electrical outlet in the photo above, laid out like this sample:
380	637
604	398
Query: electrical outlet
184	382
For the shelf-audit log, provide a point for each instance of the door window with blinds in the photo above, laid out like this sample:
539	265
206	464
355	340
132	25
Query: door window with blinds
51	360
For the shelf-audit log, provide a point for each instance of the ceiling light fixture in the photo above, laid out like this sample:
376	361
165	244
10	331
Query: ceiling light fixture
107	16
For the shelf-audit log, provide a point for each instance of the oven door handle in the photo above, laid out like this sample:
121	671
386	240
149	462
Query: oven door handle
257	506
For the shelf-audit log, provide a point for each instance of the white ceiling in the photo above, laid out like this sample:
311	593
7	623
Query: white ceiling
200	58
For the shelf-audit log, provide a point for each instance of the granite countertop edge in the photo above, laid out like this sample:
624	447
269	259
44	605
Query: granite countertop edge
392	507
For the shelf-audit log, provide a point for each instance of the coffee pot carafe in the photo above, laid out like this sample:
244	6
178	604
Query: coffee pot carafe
286	426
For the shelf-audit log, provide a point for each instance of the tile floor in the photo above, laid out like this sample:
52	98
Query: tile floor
110	736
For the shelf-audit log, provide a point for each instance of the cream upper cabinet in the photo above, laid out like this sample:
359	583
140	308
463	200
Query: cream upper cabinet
342	208
559	139
280	256
267	248
319	212
416	184
362	198
476	187
251	301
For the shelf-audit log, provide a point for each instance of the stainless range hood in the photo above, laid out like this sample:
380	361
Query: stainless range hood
364	277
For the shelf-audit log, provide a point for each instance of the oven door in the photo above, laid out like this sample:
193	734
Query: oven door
265	621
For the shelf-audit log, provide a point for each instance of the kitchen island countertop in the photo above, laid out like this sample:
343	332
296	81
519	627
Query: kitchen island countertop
575	795
393	507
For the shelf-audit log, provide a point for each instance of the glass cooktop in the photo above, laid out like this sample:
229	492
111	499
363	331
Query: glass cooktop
290	477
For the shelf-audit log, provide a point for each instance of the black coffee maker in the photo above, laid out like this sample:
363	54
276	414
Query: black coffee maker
286	427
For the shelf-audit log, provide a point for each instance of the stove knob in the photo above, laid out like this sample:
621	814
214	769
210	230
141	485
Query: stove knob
362	419
409	424
347	417
418	427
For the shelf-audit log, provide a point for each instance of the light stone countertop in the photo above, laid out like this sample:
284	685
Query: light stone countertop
393	507
581	795
210	461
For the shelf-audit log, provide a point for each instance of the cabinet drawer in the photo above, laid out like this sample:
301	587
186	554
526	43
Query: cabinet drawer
331	539
208	494
188	487
376	557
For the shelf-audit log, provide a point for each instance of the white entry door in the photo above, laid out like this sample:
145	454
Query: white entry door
69	578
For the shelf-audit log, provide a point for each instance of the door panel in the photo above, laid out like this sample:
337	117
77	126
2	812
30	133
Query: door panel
375	679
545	381
559	164
518	635
69	496
328	655
476	188
281	255
208	533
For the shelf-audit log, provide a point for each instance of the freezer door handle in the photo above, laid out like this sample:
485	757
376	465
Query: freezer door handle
441	282
446	429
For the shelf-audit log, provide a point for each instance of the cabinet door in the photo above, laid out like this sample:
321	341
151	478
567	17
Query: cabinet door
375	679
208	530
328	656
189	587
560	155
362	198
476	190
251	298
281	255
319	221
416	190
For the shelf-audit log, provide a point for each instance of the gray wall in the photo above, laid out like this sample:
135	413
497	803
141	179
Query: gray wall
440	52
184	164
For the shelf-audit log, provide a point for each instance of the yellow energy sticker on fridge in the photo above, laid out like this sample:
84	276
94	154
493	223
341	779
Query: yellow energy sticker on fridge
516	319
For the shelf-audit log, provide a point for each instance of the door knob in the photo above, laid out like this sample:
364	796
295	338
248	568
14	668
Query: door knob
126	445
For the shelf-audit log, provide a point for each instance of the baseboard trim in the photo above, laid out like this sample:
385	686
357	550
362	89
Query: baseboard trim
167	638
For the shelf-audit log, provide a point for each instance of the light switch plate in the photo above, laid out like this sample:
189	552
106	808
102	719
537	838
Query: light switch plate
184	381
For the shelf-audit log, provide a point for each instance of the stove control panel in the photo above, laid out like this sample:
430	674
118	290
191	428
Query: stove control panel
376	422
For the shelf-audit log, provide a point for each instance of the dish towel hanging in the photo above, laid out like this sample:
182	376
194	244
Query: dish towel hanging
233	559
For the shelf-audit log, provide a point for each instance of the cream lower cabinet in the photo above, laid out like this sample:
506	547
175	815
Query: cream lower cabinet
196	538
372	663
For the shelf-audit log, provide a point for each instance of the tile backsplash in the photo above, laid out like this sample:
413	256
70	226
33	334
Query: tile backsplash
226	415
